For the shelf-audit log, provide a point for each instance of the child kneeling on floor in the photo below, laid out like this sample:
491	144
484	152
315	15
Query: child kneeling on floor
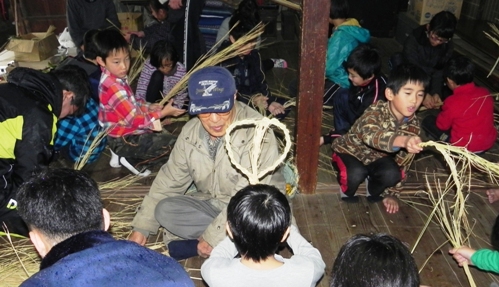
131	121
379	142
258	221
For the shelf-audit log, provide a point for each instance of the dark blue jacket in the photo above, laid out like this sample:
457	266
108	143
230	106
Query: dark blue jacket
95	258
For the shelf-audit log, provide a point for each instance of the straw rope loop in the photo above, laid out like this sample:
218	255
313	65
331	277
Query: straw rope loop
261	129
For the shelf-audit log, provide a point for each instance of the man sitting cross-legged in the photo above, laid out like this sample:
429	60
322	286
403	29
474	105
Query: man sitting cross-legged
200	158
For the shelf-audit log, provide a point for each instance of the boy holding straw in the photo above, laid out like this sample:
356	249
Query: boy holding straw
378	144
133	136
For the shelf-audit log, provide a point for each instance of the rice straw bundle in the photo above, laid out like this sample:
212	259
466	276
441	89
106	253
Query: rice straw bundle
84	157
452	215
211	59
261	129
495	33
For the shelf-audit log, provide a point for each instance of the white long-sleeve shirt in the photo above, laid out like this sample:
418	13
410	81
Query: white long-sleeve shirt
304	268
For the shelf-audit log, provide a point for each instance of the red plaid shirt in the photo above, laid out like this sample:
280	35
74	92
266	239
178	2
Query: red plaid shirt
119	107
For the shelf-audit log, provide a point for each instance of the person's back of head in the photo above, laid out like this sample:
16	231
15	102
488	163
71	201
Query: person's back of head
239	26
75	79
89	47
339	9
163	50
60	203
365	60
443	24
373	261
460	69
248	10
407	73
258	217
108	42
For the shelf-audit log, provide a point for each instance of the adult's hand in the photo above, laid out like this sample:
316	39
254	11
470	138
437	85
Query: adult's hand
204	248
137	237
175	4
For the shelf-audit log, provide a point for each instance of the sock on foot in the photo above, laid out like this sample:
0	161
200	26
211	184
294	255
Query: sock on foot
130	167
115	160
183	249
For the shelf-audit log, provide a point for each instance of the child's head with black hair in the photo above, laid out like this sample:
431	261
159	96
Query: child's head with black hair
240	27
112	52
339	9
248	10
164	57
459	70
405	90
407	73
441	28
159	9
258	220
373	261
59	203
89	48
75	89
363	64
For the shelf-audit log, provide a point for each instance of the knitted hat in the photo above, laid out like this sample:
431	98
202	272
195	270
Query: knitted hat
211	90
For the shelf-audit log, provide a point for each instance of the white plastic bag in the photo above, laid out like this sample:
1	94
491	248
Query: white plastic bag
65	39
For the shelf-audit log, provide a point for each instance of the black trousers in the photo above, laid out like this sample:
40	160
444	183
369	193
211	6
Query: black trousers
380	174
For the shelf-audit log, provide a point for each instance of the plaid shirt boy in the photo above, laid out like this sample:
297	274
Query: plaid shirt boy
79	132
119	107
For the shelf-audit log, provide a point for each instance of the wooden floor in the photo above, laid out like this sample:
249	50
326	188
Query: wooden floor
325	220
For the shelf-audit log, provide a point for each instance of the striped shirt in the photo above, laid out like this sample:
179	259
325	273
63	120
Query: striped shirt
119	107
168	83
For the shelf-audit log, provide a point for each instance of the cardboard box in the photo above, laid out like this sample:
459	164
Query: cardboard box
34	47
423	10
131	21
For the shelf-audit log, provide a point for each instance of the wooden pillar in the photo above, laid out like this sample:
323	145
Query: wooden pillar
313	40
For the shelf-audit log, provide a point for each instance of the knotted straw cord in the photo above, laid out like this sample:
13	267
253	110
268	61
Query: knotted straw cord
261	128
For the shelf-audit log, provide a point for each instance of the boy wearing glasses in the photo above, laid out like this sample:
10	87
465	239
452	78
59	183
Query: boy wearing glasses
430	47
199	159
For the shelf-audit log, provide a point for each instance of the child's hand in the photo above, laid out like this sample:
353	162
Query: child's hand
432	101
412	144
155	107
462	255
260	101
171	111
275	108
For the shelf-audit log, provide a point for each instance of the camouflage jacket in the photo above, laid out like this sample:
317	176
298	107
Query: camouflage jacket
372	135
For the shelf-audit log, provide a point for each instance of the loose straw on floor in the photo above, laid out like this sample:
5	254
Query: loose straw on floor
452	215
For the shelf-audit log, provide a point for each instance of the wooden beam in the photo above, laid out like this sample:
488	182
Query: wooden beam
310	90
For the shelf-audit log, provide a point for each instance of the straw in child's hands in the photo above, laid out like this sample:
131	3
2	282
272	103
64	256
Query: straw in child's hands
412	144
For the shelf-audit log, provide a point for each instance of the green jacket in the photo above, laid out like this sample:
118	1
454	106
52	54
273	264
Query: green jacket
486	259
217	180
